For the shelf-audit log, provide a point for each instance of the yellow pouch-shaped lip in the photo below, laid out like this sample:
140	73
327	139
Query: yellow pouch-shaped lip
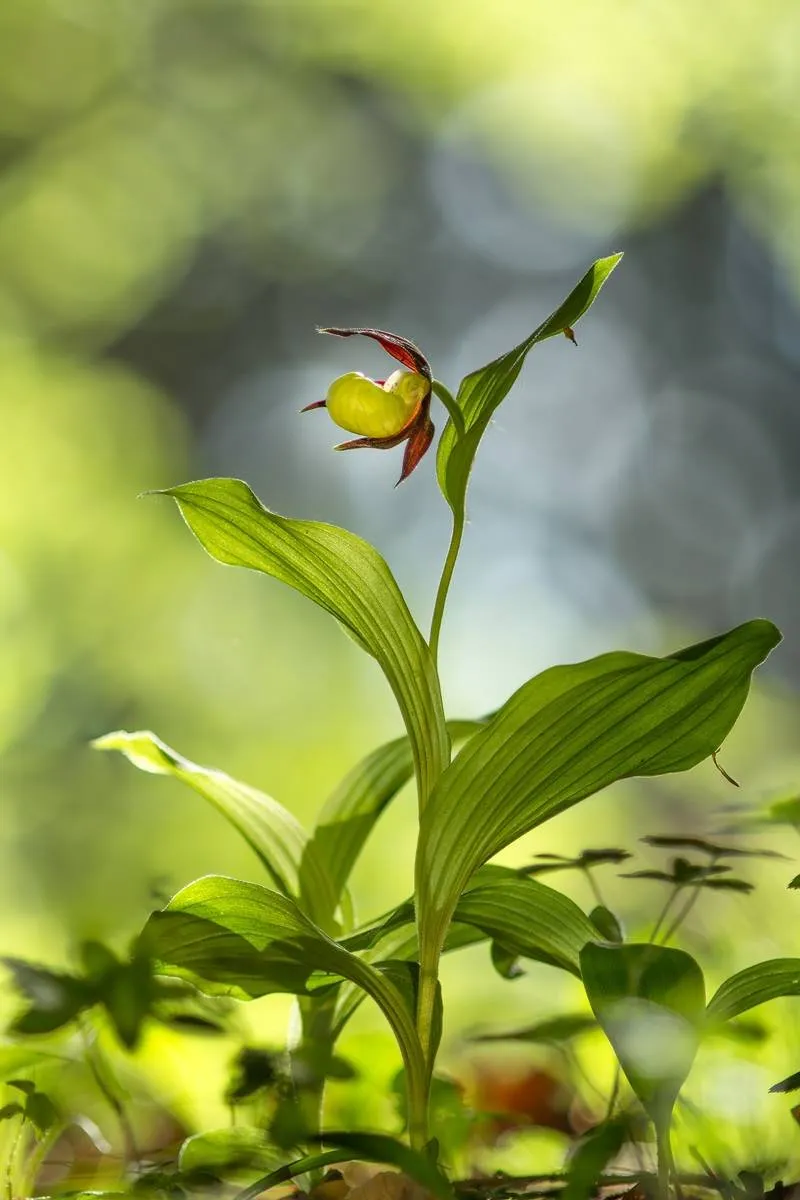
362	406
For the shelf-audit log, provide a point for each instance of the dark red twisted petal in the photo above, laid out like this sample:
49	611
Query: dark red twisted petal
373	443
400	348
416	446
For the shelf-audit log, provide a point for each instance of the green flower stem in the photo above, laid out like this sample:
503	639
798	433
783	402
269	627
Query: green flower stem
449	401
418	1098
418	1103
415	1059
457	418
664	1156
316	1017
426	1009
444	582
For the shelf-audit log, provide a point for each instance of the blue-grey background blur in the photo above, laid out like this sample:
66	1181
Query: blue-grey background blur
187	187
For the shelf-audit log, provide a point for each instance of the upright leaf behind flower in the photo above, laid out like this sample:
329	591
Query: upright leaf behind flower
570	732
344	575
352	809
275	834
482	391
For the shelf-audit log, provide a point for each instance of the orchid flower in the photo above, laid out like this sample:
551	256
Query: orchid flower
384	412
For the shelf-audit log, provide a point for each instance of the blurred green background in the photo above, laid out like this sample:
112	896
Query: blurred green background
187	187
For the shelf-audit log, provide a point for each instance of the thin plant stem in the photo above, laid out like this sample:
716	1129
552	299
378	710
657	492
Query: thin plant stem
93	1059
682	915
457	418
687	908
662	916
594	885
419	1096
444	582
426	1007
664	1153
449	401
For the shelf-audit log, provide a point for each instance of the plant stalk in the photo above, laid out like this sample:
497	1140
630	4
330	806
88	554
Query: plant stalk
448	400
316	1018
681	916
444	583
662	916
664	1153
426	1008
419	1092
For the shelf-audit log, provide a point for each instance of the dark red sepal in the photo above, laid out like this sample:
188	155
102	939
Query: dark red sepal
400	348
416	446
373	443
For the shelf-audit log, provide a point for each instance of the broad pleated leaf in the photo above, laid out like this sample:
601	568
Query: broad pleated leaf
482	391
223	963
528	919
274	833
650	1001
568	733
342	574
350	813
227	931
753	986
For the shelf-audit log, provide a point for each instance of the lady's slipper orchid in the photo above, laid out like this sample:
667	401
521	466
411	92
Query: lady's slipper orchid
384	412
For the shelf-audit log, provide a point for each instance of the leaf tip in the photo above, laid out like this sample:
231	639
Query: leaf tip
721	769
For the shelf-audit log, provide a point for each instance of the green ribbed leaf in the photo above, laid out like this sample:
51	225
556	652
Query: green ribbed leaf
566	734
342	574
650	1001
753	986
351	811
228	934
483	390
272	831
528	919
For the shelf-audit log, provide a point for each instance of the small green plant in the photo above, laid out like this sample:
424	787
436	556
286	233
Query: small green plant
481	784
